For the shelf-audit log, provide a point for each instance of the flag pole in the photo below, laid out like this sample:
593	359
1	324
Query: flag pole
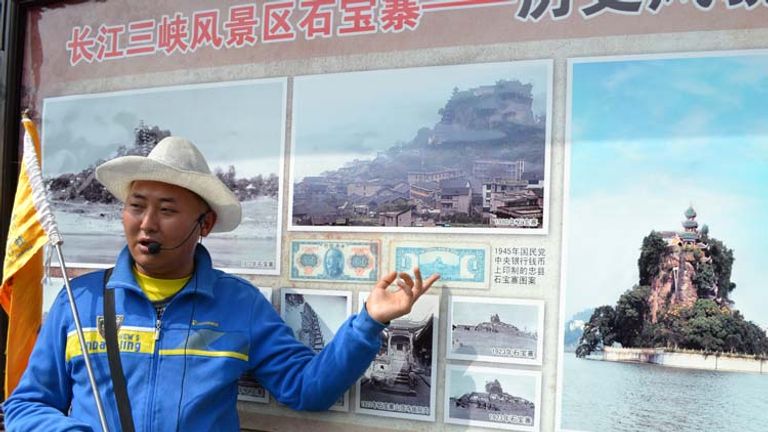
81	337
48	222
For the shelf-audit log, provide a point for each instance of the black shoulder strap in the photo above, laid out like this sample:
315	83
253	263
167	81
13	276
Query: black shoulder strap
113	354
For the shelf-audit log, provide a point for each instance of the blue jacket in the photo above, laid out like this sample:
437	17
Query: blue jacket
233	329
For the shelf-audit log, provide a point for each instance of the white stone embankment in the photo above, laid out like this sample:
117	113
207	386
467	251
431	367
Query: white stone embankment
689	360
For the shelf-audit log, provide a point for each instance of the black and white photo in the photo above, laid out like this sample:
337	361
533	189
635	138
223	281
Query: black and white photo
239	128
501	330
400	382
490	397
314	316
248	388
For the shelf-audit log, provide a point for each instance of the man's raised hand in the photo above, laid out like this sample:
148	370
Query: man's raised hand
384	305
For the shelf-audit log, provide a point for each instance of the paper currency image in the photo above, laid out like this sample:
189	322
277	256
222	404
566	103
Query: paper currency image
400	382
467	150
239	128
494	398
337	261
314	316
464	265
499	330
248	388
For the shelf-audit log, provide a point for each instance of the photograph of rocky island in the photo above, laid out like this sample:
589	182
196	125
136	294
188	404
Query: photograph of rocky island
496	329
442	148
495	398
664	324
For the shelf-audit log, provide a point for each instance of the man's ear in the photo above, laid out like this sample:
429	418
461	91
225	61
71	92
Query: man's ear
207	223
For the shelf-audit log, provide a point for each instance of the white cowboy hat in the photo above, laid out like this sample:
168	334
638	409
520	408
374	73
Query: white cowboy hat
175	161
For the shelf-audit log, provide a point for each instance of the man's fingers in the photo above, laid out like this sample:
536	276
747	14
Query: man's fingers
432	279
386	281
417	274
424	285
405	283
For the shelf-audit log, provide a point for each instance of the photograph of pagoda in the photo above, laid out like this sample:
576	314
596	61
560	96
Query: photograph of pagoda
315	316
664	325
249	389
440	149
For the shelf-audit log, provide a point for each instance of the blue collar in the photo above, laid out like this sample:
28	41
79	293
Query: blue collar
202	280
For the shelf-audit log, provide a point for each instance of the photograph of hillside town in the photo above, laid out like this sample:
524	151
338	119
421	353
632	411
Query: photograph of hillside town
664	315
469	152
81	132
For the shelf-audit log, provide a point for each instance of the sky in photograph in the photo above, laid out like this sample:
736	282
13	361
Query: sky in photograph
463	381
341	117
331	309
51	288
238	123
524	317
651	137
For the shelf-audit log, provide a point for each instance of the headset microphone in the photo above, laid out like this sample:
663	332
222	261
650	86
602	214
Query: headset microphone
154	247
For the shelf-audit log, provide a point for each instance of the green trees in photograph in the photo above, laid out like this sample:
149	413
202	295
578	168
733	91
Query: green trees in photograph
707	323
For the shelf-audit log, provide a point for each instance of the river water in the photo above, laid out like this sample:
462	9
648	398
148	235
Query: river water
93	235
609	396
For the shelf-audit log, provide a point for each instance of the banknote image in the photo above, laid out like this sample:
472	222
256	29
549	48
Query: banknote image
459	267
338	261
501	330
314	316
494	398
400	382
248	388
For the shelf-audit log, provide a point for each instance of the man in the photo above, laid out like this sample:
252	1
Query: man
333	262
187	331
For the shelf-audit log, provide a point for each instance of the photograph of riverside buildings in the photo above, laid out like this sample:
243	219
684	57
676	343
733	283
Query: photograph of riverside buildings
465	150
79	132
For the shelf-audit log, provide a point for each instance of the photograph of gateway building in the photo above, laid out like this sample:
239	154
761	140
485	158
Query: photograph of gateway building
475	158
399	381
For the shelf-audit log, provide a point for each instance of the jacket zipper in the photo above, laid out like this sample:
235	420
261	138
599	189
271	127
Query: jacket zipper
156	360
158	325
153	374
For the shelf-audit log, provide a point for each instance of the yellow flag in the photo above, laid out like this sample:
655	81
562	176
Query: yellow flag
21	292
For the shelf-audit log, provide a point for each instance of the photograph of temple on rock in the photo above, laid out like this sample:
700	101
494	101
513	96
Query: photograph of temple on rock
466	150
664	297
494	398
500	330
